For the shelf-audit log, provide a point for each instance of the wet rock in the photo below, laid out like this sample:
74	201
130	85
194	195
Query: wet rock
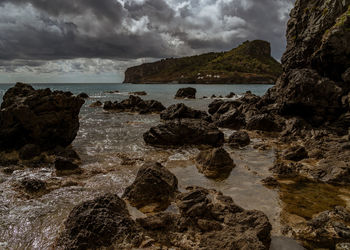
102	222
346	76
214	106
189	93
134	104
295	153
181	111
232	119
332	171
154	188
40	117
29	151
83	95
62	164
138	93
31	185
286	170
263	122
213	96
231	95
96	104
190	132
343	246
270	182
239	139
67	153
214	163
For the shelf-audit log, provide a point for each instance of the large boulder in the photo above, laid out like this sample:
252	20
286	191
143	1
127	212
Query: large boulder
39	117
189	132
232	119
153	189
98	223
263	122
181	111
134	104
183	93
214	163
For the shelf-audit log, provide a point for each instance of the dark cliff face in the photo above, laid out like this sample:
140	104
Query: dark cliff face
318	37
251	62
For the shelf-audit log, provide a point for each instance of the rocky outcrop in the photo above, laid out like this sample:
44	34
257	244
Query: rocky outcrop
38	117
189	93
189	132
214	163
239	139
295	153
251	62
98	223
134	104
181	111
153	188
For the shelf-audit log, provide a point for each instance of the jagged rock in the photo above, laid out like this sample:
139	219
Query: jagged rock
189	93
333	171
40	117
29	151
239	139
135	104
231	95
181	111
232	119
31	185
83	95
286	170
214	163
96	104
295	153
138	93
190	132
214	106
270	182
62	164
154	188
99	223
66	153
263	122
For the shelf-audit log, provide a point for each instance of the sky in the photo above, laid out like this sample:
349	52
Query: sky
52	41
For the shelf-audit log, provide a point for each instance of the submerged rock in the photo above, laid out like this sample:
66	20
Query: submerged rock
31	185
190	132
239	139
214	163
96	104
181	111
135	104
189	93
138	93
98	223
40	117
153	188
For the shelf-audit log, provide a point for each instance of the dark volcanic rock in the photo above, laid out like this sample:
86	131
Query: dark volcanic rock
214	163
295	153
263	122
138	93
189	93
62	164
190	132
154	186
181	111
231	95
239	139
232	119
29	151
83	95
98	223
96	104
135	104
40	117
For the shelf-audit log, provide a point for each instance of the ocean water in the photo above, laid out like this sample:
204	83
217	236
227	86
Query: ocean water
112	149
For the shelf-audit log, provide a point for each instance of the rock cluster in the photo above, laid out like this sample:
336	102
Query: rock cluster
134	104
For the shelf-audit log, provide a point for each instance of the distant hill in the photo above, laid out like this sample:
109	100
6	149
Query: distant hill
251	62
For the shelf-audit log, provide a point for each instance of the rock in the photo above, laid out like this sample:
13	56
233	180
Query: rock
31	185
66	153
135	104
232	119
138	93
214	163
231	95
342	246
154	187
181	111
214	106
40	117
189	93
62	164
295	153
239	139
333	171
193	132
96	104
112	91
98	223
346	76
29	151
286	170
263	122
213	96
83	95
270	182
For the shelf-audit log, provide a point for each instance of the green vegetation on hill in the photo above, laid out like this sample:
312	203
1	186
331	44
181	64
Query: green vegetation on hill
251	62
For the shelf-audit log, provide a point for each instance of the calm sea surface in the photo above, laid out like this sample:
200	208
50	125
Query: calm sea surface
105	142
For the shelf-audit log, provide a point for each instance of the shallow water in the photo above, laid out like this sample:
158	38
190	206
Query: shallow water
112	149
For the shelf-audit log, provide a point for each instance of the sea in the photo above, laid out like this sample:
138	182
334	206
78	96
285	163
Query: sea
112	149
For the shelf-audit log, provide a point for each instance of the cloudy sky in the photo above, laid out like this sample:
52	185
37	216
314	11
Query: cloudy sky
96	40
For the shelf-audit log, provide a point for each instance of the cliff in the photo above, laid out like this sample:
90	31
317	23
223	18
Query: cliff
251	62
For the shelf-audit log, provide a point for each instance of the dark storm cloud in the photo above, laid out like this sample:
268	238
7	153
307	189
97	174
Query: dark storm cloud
40	30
